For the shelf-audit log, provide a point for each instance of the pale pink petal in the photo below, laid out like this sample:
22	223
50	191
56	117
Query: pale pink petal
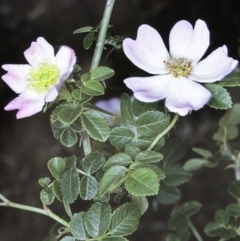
148	51
150	89
16	76
39	51
52	95
214	67
186	42
186	95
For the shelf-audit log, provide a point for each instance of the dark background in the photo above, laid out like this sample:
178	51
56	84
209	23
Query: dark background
27	144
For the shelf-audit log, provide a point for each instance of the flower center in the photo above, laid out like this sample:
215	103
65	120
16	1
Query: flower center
179	67
43	77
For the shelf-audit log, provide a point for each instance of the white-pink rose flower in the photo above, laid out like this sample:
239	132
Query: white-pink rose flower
39	81
176	75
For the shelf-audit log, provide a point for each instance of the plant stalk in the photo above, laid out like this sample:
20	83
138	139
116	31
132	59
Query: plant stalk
195	232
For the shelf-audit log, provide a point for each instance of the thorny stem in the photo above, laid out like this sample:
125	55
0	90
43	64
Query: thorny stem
195	232
162	134
46	212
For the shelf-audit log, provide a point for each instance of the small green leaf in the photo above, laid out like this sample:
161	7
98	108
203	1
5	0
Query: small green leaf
88	187
98	109
234	189
92	162
141	202
233	209
194	164
139	107
83	29
102	73
70	185
132	151
88	40
149	157
142	182
119	159
231	117
189	208
111	238
168	195
84	78
77	94
76	126
121	137
179	223
221	216
77	226
68	137
227	233
231	80
203	152
110	177
57	190
125	220
126	110
151	123
97	219
47	196
172	237
68	238
93	88
56	166
220	97
96	125
213	229
44	181
69	115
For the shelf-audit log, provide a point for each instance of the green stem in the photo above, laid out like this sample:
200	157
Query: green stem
47	212
195	232
159	136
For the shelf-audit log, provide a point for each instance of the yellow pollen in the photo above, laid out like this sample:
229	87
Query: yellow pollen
179	67
43	77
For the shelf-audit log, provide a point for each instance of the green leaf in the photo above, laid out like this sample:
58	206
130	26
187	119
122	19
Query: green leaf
68	137
220	97
70	162
141	202
47	196
194	164
125	220
110	177
98	109
151	123
234	189
189	208
76	126
231	80
68	238
121	137
144	142
179	223
142	182
57	132
96	125
57	190
168	195
77	94
227	233
233	209
92	162
69	115
77	226
102	73
126	110
114	239
149	157
213	229
231	117
172	237
44	181
88	187
70	185
119	159
84	78
83	29
175	175
56	166
203	152
88	40
93	88
139	107
132	151
221	216
97	219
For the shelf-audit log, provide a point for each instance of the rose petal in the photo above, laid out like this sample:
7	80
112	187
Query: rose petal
150	89
186	42
186	95
52	95
214	67
39	51
148	51
16	76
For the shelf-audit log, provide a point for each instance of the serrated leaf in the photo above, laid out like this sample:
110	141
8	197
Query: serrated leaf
213	229
144	142
88	187
84	78
231	80
151	123
83	29
98	109
168	195
102	73
67	207
46	196
231	117
68	137
233	209
203	152
175	175
70	185
189	208
121	137
110	177
141	202
88	40
77	94
76	126
57	132
56	166
44	181
57	190
194	164
77	226
125	220
220	97
68	238
126	110
149	157
139	107
179	223
119	159
234	189
96	125
142	182
92	162
110	238
70	162
69	115
132	151
93	88
221	216
97	219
